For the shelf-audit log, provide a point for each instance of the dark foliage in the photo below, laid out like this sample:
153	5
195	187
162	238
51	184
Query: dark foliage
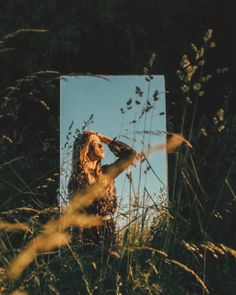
39	40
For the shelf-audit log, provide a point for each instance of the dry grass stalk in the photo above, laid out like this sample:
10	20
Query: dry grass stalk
219	249
229	250
172	143
39	244
184	267
172	261
193	248
175	141
18	292
13	227
53	236
75	220
12	35
19	209
162	253
2	280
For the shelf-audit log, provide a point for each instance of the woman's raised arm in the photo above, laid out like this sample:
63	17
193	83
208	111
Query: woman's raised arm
124	152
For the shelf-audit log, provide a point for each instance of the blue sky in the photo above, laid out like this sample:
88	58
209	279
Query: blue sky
82	96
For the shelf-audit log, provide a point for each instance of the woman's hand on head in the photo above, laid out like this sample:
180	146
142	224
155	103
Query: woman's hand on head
89	132
105	139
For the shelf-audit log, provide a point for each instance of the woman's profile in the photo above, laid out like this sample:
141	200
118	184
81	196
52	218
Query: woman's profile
88	152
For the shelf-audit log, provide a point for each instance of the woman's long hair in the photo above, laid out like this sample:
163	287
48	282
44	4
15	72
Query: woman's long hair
80	159
82	175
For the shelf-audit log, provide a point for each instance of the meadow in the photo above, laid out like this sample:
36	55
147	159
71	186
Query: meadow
183	245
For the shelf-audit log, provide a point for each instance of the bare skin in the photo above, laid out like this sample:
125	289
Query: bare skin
96	148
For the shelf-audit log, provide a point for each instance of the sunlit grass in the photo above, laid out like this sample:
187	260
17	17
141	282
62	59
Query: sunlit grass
169	252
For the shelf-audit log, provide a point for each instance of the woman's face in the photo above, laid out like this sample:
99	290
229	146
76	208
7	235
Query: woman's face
96	149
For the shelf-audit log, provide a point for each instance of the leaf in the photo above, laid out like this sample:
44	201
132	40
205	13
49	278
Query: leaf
155	94
137	89
71	125
129	102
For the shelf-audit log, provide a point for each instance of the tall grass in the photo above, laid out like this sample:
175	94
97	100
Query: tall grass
175	249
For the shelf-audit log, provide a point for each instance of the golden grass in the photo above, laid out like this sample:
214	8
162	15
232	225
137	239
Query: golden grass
2	280
172	261
39	244
218	249
153	250
13	226
75	220
18	292
172	143
229	250
53	234
187	269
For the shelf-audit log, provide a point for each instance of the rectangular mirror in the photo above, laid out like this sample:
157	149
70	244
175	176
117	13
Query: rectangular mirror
131	109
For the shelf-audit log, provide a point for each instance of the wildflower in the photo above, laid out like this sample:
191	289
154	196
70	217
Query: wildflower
185	88
194	47
215	120
180	75
221	128
212	45
190	72
201	52
185	61
208	35
201	62
152	59
220	114
188	99
197	87
197	56
208	77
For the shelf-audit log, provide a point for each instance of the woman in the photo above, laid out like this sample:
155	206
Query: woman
88	151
